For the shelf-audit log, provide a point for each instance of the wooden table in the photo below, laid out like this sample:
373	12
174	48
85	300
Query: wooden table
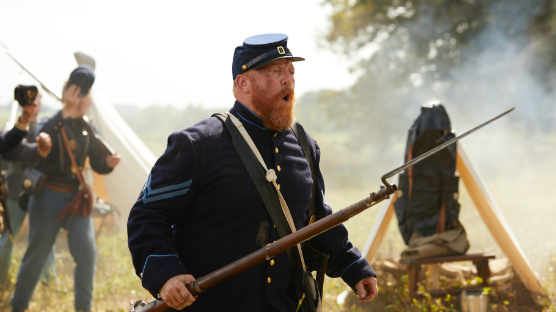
479	260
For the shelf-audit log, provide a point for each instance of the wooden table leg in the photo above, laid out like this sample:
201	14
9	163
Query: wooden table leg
413	278
483	271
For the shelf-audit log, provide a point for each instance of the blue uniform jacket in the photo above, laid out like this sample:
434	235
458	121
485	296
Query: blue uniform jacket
199	210
18	158
11	139
57	165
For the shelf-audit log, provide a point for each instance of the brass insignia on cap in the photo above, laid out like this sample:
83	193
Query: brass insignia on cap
244	67
27	183
31	93
281	50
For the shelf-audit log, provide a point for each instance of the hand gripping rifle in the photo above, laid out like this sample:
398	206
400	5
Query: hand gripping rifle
271	250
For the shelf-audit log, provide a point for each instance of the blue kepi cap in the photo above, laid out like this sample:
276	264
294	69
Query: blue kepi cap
84	77
260	50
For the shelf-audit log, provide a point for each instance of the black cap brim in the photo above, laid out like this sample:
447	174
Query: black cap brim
293	58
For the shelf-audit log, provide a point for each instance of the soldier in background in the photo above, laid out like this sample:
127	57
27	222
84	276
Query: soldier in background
49	211
32	149
11	139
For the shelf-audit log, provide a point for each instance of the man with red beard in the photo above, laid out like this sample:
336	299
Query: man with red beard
200	210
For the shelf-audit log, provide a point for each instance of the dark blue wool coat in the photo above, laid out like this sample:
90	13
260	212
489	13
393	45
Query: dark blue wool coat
199	210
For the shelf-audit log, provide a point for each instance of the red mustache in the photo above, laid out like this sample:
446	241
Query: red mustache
287	92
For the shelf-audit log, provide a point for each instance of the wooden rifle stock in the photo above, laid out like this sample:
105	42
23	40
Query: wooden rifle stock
268	252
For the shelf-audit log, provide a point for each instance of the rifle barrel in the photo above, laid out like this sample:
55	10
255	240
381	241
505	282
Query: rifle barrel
439	147
33	76
271	250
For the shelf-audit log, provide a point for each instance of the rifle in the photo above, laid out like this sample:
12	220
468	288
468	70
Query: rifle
268	252
80	57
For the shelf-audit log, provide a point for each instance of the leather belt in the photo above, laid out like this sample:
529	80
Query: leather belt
61	189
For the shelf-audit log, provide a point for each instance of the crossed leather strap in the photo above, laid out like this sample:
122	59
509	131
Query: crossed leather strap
84	205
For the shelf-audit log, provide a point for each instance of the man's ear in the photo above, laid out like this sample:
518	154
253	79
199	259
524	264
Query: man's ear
242	82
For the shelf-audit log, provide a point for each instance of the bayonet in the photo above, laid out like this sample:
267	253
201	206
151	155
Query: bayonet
438	148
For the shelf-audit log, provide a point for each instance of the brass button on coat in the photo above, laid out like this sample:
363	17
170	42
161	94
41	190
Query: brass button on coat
272	262
276	150
269	280
279	168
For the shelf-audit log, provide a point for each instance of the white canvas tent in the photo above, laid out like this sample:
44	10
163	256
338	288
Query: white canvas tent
123	185
489	212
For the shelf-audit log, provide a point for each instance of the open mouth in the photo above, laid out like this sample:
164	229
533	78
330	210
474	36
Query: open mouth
287	98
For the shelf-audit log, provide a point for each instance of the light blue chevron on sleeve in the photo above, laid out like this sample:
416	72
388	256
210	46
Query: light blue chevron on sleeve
151	195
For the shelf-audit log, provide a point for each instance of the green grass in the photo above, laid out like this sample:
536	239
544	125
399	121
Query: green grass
116	283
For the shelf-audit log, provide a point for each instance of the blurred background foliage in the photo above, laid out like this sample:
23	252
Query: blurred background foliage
479	58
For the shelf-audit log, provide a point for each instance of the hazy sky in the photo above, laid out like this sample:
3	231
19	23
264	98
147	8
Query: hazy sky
159	52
